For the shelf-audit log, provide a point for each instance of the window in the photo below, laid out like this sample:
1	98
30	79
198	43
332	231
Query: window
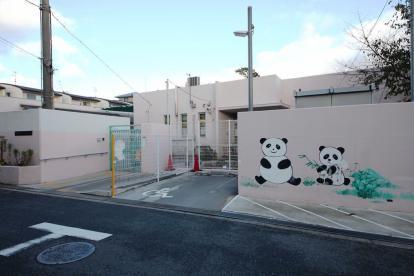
31	96
184	124
202	118
167	119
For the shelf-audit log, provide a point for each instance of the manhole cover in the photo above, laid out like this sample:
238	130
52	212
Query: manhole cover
66	253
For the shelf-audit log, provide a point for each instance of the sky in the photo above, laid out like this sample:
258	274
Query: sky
146	42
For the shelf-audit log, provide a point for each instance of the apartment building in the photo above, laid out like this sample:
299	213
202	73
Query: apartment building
17	97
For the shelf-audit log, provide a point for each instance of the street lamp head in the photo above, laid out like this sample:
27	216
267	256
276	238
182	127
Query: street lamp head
241	33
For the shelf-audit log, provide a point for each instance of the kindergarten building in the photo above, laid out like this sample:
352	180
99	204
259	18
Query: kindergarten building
206	114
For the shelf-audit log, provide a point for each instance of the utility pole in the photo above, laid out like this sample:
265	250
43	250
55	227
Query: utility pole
250	46
47	67
412	48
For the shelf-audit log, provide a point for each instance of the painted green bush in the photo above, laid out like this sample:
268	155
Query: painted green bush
368	184
309	181
249	183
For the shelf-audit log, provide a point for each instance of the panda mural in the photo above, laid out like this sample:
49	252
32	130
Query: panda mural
333	164
275	167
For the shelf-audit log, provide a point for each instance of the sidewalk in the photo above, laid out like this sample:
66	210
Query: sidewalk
100	183
394	224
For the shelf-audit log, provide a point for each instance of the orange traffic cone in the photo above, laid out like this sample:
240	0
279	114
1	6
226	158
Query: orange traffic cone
196	167
170	166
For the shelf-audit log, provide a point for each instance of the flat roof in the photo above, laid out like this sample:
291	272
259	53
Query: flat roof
328	91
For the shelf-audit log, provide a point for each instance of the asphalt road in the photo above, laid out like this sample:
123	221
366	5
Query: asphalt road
165	242
188	190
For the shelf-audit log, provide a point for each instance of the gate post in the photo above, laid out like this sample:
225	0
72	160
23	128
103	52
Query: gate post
229	141
113	164
158	158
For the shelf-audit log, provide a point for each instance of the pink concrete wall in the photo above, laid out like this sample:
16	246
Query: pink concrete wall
379	137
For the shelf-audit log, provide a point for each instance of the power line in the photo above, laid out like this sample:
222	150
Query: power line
31	3
92	52
186	92
13	45
98	57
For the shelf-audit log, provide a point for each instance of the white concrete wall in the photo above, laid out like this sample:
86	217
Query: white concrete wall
20	175
22	121
65	144
233	94
178	103
377	136
153	134
326	81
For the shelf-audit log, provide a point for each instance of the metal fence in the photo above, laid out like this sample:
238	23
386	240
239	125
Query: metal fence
223	153
215	144
136	156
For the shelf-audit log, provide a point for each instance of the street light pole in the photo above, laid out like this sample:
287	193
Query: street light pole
250	50
412	49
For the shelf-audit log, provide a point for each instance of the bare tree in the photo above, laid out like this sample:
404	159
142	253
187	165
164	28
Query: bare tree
387	57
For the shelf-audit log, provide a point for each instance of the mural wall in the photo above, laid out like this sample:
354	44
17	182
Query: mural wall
355	156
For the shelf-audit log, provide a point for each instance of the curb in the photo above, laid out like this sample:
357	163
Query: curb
240	218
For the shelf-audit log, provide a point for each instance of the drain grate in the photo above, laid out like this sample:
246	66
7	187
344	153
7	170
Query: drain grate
66	253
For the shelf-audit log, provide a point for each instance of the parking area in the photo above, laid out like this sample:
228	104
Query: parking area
210	192
394	224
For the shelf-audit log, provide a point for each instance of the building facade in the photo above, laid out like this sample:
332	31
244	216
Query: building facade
201	110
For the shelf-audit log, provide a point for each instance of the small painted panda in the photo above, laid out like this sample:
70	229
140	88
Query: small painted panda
275	167
332	165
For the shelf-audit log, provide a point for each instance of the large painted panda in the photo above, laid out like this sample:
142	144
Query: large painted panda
275	167
331	171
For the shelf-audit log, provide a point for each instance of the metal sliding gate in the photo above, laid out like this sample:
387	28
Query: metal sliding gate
125	154
214	143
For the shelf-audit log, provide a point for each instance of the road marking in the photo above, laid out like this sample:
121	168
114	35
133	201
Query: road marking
230	202
71	231
394	216
370	221
319	216
57	231
224	183
267	208
17	248
163	193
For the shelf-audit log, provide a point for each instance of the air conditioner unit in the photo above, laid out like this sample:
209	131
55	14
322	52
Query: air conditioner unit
193	81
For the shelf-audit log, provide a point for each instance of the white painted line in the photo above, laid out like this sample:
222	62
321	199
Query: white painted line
71	231
17	248
370	221
317	215
394	216
224	183
267	208
230	202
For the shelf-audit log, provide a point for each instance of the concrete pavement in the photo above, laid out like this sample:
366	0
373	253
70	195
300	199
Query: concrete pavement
188	190
394	224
